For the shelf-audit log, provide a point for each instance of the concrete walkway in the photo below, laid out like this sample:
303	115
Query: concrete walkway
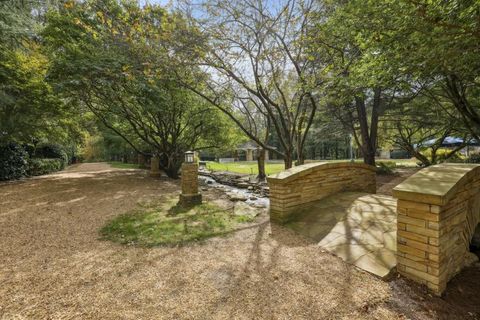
360	228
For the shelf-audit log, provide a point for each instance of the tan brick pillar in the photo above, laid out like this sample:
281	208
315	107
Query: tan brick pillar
249	155
155	167
190	195
419	254
438	209
141	160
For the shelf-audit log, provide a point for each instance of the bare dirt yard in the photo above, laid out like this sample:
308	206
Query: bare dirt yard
54	266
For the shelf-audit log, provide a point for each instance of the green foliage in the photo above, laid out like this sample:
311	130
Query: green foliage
115	59
37	166
474	158
170	225
51	151
13	161
386	167
121	165
442	154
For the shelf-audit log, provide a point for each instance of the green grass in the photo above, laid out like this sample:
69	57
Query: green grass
169	224
121	165
246	167
250	167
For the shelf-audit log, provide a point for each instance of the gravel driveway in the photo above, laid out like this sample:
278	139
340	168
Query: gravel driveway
53	265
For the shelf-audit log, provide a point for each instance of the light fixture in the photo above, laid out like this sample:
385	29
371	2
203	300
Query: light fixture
189	156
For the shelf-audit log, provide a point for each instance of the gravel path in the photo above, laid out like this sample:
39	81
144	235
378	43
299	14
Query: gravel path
53	266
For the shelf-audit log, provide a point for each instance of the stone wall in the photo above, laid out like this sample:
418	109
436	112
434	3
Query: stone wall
438	210
298	187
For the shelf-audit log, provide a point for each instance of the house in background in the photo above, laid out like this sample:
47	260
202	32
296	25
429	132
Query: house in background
247	151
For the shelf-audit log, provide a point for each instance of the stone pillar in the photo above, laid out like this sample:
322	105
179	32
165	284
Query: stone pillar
141	160
266	155
438	209
155	167
249	155
190	195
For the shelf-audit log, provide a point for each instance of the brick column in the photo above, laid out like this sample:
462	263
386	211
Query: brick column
155	167
190	195
249	155
438	209
419	254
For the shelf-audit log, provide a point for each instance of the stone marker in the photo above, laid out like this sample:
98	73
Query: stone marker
155	167
190	195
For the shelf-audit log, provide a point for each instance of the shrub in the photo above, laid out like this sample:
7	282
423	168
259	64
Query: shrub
474	158
13	161
442	155
51	151
386	167
37	167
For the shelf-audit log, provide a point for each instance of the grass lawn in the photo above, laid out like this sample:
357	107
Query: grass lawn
121	165
167	224
247	167
250	167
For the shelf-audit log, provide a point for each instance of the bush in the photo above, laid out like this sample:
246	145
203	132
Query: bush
37	167
51	151
13	161
442	155
385	167
474	158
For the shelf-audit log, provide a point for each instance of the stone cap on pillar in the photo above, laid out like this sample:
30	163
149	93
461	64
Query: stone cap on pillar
436	184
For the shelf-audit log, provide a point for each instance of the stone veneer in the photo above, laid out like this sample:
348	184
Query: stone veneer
299	186
438	209
190	195
155	167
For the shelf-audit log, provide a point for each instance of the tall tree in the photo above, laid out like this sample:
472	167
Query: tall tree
435	42
255	57
113	58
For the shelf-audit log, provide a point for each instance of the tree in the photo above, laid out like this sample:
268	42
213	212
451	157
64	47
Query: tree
29	109
431	42
256	61
421	128
112	58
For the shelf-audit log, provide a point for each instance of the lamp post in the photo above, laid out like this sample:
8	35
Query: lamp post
190	195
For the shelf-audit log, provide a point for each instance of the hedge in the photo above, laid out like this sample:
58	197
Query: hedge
37	167
13	161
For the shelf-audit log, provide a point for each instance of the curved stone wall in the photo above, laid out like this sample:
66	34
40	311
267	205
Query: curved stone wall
438	209
299	186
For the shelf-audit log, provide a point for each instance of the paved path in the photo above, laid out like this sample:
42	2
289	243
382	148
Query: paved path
357	227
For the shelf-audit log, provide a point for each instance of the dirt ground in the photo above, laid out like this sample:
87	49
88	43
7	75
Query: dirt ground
53	265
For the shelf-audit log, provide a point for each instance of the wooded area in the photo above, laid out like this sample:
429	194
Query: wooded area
109	80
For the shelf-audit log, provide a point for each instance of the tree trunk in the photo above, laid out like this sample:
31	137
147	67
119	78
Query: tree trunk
300	157
261	165
368	135
288	159
171	165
